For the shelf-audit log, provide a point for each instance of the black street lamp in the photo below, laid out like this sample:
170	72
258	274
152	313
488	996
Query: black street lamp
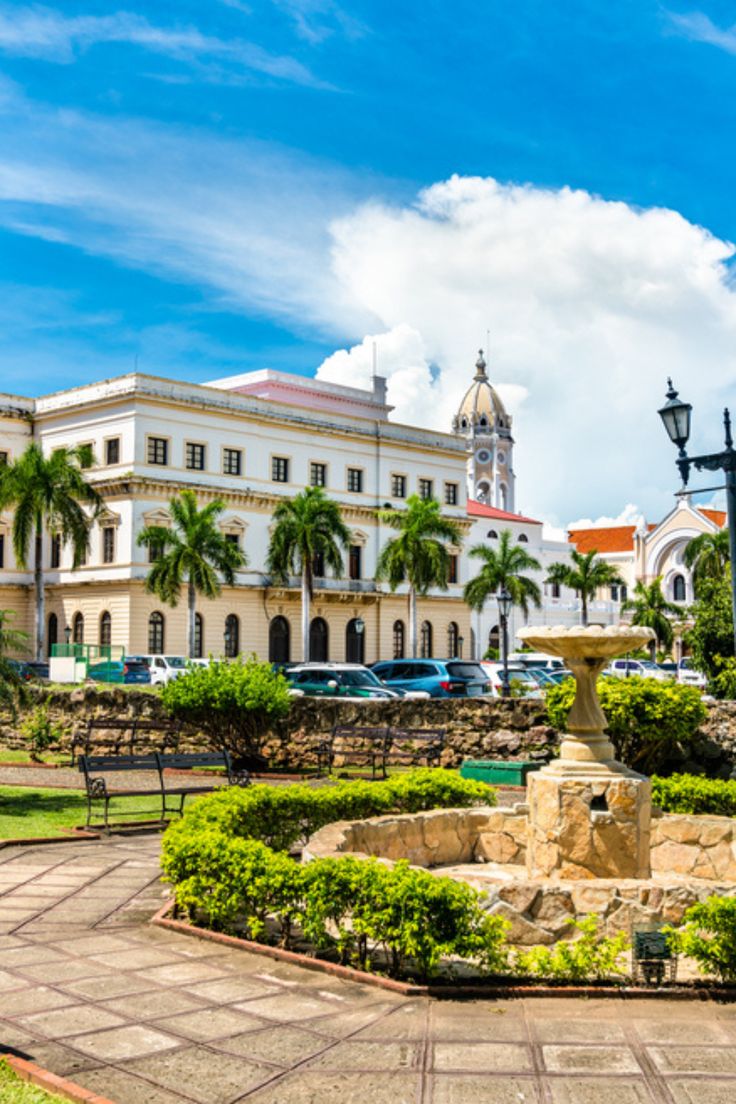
676	417
67	633
504	600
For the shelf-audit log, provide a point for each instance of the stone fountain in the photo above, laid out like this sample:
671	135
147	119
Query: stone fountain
586	840
589	816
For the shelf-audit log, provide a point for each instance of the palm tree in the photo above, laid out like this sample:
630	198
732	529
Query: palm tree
306	527
191	551
48	492
503	569
11	685
707	555
650	609
419	554
585	575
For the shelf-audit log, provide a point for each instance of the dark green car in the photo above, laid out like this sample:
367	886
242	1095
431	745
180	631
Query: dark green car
338	680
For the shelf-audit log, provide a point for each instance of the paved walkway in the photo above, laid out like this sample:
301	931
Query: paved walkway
89	990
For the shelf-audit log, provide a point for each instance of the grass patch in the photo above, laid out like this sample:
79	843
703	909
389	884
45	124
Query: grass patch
15	1091
20	755
27	811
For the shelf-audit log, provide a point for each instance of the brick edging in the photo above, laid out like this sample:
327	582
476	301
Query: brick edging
75	834
163	919
51	1082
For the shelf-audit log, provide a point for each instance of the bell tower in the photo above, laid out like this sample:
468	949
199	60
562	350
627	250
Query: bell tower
483	421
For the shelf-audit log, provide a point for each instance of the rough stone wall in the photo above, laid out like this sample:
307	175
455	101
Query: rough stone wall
699	847
476	728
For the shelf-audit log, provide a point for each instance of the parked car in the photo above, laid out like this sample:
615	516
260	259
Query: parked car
117	670
523	683
439	678
337	680
29	669
688	676
642	668
670	668
163	668
556	676
539	661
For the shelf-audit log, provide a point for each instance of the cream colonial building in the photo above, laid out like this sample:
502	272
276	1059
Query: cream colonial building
250	440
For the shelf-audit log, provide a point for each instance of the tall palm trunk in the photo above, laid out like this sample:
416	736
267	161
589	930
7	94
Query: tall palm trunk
191	611
40	594
413	622
584	609
305	615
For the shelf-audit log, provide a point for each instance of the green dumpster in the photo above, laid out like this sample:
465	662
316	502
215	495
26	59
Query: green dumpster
499	772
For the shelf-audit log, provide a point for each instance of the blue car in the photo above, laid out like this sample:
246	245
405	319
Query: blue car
440	678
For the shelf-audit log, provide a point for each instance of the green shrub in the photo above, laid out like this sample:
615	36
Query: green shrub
234	703
590	957
282	816
712	633
689	793
647	719
41	732
723	684
709	936
357	907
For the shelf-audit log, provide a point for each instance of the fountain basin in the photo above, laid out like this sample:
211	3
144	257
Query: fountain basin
691	859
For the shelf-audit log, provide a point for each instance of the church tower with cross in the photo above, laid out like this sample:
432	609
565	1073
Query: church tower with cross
483	421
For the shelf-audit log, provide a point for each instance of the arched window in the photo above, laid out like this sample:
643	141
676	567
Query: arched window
319	640
355	640
232	636
494	639
156	633
453	640
105	630
52	633
483	421
198	635
523	538
279	640
492	534
399	639
554	590
78	628
678	588
425	643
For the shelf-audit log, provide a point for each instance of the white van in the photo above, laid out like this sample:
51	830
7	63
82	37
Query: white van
164	668
537	660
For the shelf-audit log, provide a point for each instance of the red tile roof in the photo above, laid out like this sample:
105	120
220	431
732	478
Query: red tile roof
480	510
611	538
718	516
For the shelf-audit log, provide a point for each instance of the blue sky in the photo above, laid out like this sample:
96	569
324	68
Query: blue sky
190	185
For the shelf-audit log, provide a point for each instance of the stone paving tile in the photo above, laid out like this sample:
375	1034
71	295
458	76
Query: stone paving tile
306	1087
209	1023
694	1059
193	1070
284	1047
476	1021
491	1057
228	990
132	1041
9	981
681	1031
153	1004
36	998
68	970
590	1059
107	986
368	1056
702	1091
578	1031
466	1089
185	973
63	1060
407	1021
137	958
124	1088
73	1020
599	1090
287	1006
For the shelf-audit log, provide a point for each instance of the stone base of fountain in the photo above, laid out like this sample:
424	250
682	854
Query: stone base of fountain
691	859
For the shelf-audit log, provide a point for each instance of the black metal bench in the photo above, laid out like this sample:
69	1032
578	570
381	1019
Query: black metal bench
412	747
171	797
109	733
359	745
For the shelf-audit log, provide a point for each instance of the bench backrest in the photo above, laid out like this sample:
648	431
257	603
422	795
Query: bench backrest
377	734
104	763
189	759
427	735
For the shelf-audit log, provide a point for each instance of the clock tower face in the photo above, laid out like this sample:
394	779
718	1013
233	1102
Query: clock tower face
483	456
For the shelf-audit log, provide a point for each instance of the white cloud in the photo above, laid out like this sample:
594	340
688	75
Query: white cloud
630	515
590	305
39	32
698	27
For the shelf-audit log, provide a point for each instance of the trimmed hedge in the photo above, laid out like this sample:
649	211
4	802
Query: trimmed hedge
708	935
689	793
282	816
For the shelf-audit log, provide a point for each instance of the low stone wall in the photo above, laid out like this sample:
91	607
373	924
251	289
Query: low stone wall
476	728
698	847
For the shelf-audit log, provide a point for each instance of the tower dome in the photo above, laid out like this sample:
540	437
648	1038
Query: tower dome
481	405
483	422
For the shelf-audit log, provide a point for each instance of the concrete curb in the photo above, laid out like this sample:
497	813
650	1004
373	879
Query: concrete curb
163	919
44	1079
74	834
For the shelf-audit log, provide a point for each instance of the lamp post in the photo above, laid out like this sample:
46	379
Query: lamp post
67	634
676	417
504	608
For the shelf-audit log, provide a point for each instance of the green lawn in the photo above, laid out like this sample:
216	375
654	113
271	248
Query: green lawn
15	1091
20	755
27	811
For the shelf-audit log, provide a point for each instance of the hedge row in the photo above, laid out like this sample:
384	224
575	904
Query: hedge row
282	816
689	793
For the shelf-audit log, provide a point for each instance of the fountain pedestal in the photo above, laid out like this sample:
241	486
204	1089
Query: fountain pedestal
589	815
